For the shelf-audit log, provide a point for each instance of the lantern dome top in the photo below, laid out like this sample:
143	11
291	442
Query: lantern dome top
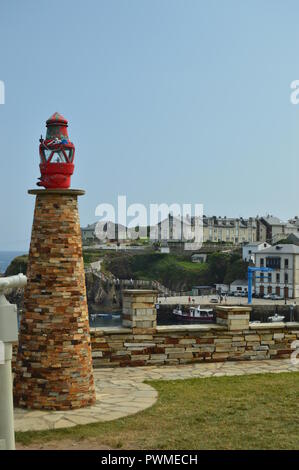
56	154
57	120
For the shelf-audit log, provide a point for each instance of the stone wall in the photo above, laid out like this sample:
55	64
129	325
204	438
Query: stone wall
231	338
172	345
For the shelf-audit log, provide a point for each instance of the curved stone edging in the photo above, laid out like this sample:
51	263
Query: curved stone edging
122	392
114	399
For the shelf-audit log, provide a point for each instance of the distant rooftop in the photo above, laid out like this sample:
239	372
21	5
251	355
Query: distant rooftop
272	220
279	249
240	282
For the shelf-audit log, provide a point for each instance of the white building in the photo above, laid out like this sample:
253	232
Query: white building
284	280
88	233
249	250
199	257
222	288
239	286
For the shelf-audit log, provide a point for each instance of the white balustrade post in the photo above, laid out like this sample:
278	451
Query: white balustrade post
8	335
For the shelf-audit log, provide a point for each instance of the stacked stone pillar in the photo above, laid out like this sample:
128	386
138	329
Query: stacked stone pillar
139	311
233	317
54	364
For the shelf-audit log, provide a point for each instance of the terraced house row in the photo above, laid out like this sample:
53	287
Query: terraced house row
230	230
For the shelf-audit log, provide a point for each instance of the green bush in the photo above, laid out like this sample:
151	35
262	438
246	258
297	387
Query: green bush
18	265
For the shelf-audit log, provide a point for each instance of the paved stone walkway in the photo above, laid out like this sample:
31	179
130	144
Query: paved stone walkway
122	391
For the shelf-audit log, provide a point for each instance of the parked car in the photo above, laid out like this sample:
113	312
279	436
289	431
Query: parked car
238	293
214	300
276	297
267	296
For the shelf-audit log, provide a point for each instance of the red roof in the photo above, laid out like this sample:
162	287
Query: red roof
57	118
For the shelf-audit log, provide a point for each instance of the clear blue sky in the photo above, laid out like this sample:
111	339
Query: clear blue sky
167	101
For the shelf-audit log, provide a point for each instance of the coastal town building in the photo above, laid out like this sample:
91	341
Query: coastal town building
284	280
222	288
273	230
88	234
249	251
228	230
239	286
214	229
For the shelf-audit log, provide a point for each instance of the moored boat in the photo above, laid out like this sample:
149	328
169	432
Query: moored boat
204	315
276	318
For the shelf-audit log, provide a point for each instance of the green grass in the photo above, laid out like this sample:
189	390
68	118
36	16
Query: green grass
243	412
192	267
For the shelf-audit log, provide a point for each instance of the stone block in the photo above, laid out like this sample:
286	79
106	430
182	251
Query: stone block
278	336
253	337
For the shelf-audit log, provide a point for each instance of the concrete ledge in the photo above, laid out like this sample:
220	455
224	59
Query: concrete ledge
139	292
202	327
66	192
176	328
111	330
272	326
233	309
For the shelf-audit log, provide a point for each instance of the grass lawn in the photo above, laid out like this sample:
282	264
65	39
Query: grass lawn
241	412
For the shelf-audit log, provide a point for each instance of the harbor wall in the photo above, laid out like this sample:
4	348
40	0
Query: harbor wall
231	338
191	344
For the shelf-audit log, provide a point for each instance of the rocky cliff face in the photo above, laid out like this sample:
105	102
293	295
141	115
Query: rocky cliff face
102	293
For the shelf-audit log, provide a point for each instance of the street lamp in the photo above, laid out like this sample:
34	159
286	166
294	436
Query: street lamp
8	335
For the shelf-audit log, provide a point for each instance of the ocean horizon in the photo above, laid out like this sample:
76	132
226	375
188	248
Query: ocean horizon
6	258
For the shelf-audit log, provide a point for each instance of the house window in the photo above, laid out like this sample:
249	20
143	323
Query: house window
286	278
262	262
286	263
273	262
269	277
278	278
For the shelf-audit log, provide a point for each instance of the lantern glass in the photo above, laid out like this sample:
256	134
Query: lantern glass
47	154
59	157
67	152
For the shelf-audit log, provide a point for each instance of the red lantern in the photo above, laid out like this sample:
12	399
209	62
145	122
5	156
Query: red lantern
57	155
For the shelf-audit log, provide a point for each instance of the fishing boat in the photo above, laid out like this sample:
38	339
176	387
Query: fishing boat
115	316
93	316
204	315
276	318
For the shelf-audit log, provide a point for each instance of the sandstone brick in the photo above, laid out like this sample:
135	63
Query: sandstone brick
187	341
278	336
250	338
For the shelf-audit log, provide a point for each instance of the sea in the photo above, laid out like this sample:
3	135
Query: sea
6	257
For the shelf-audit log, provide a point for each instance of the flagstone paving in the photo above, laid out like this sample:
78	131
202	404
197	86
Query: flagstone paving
122	391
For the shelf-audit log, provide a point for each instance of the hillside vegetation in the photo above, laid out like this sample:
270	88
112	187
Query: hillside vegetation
175	271
18	265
